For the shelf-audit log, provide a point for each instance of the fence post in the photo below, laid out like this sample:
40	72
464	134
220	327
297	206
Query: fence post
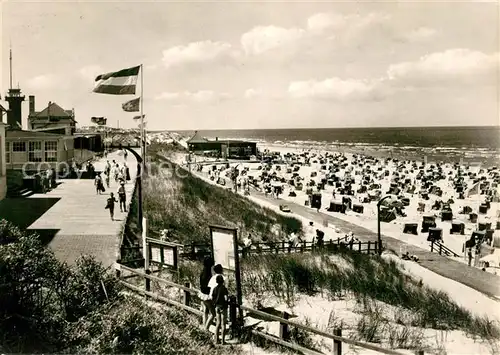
283	246
284	331
440	248
148	281
118	272
359	246
351	245
193	251
432	246
187	295
369	247
232	313
305	245
337	344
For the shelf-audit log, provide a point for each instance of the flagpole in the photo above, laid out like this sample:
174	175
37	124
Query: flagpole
143	151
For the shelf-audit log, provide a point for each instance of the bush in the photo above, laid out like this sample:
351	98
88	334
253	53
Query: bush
132	327
40	295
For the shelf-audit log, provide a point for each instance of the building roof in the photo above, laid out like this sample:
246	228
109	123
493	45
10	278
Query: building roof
53	110
30	134
197	138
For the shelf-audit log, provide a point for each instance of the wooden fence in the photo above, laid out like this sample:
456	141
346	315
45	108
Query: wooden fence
195	250
187	304
442	249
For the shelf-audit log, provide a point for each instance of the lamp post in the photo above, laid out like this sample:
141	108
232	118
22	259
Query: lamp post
379	203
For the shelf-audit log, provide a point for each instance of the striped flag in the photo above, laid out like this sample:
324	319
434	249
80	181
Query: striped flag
122	82
132	105
139	117
101	121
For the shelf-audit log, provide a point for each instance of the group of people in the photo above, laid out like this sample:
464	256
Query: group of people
121	176
215	298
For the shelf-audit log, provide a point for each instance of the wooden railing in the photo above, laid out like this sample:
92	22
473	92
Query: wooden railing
442	249
189	294
195	250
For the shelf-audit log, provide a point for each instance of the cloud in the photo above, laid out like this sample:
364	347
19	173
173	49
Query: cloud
260	93
263	38
420	34
203	96
452	66
330	22
197	52
337	89
41	82
90	71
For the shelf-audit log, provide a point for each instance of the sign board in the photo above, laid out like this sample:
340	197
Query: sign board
223	246
225	252
163	253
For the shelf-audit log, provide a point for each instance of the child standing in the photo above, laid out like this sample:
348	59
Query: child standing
220	301
111	205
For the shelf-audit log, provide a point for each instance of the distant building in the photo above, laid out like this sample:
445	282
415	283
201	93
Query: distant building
27	150
30	150
52	119
232	149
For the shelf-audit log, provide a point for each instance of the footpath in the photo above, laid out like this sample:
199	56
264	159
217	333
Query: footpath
484	282
79	222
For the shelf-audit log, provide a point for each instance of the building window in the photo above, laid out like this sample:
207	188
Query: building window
18	146
35	152
51	146
7	152
51	151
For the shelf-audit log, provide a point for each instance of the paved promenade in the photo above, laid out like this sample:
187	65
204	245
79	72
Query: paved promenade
475	278
79	220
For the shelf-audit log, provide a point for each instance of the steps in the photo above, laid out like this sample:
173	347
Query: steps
18	191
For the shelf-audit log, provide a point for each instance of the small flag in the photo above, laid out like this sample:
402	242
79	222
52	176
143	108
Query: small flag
140	126
101	121
132	105
122	82
139	117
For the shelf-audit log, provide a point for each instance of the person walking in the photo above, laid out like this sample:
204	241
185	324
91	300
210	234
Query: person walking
107	173
127	172
116	171
98	184
122	197
110	205
208	308
218	269
220	300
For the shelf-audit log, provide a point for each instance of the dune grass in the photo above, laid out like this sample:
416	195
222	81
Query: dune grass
187	205
367	278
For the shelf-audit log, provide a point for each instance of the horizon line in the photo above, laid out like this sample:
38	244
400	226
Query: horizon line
311	128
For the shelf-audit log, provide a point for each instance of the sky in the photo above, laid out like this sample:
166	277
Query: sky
249	65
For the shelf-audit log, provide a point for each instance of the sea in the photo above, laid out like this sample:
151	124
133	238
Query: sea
470	145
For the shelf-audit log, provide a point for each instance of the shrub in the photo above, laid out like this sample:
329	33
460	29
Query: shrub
133	327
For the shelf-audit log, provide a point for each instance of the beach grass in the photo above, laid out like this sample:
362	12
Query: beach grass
368	278
187	205
371	280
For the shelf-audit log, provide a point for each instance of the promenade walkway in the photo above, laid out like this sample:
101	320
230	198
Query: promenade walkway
484	282
73	220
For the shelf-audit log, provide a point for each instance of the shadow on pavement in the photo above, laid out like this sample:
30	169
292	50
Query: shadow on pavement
46	235
23	212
